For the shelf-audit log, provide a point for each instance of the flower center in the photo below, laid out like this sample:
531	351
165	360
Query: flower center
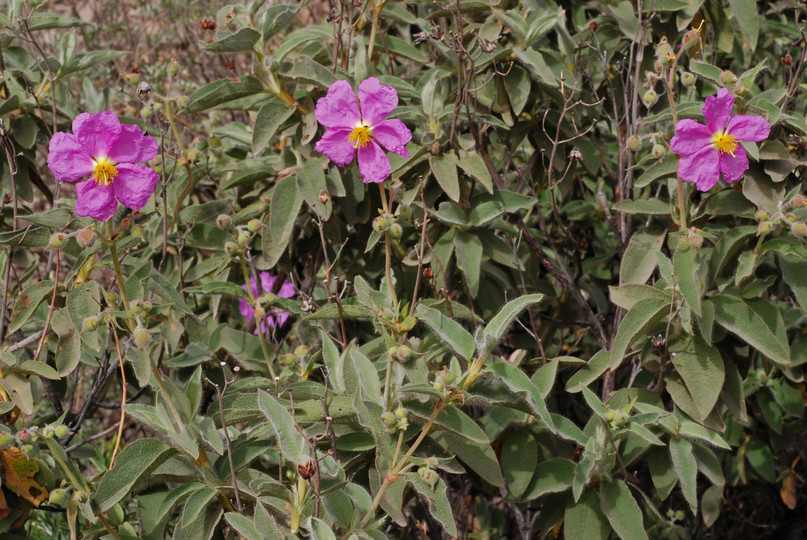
104	172
725	143
360	136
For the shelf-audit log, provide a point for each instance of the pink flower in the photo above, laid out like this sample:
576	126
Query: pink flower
267	281
107	151
361	126
706	151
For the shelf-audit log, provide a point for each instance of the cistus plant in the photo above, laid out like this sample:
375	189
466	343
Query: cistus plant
549	320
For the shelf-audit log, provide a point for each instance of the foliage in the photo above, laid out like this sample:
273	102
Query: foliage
532	326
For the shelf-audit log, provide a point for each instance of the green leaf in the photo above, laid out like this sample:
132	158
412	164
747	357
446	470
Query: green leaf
701	367
439	505
628	296
196	504
469	258
27	302
46	21
686	469
283	209
499	324
291	442
271	116
226	288
222	91
81	62
444	169
245	526
242	40
760	457
726	248
519	457
636	323
621	509
479	457
454	335
552	476
584	520
658	170
311	182
661	471
134	463
745	12
277	18
645	207
518	382
474	166
711	501
687	266
319	529
640	259
736	316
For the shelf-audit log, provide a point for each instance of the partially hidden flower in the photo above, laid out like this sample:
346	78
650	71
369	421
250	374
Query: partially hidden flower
359	126
707	151
287	290
108	152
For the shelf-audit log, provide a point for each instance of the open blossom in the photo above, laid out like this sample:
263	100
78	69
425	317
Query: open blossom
287	290
108	152
360	127
706	151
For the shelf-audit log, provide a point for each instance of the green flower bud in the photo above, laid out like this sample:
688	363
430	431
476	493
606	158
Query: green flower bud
633	143
400	412
269	298
664	53
86	237
791	217
61	431
431	477
25	436
57	241
90	324
231	248
5	439
388	419
688	79
764	227
112	297
137	306
145	113
405	211
431	461
27	449
254	225
798	200
403	353
289	359
658	151
679	515
379	224
727	77
650	98
395	230
214	142
761	215
694	238
244	239
183	101
173	67
142	337
225	222
799	228
259	313
301	351
57	497
690	39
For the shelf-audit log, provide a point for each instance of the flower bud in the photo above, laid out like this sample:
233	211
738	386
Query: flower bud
289	359
798	200
5	439
688	79
764	227
593	26
791	217
324	196
259	313
658	151
430	476
633	143
388	419
254	225
786	60
650	98
225	222
183	101
658	67
694	238
86	237
145	113
379	224
727	77
90	324
663	52
231	248
761	215
142	337
61	431
799	228
243	239
301	351
25	436
57	241
214	142
269	298
403	353
400	412
690	39
173	67
57	496
27	449
396	230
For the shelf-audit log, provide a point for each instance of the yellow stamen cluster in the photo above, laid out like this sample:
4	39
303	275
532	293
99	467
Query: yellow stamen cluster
360	136
725	143
104	172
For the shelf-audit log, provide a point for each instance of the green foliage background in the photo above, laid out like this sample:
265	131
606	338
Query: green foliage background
540	339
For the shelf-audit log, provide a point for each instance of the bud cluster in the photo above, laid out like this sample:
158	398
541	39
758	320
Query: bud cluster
395	421
387	223
242	234
784	214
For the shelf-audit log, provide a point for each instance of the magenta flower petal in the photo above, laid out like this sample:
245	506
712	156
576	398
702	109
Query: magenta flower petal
67	159
267	280
717	109
132	146
748	127
393	135
701	168
134	185
95	201
97	133
338	108
373	163
287	290
733	167
690	137
377	100
335	144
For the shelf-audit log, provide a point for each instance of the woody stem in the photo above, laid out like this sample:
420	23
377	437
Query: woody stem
681	201
387	245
